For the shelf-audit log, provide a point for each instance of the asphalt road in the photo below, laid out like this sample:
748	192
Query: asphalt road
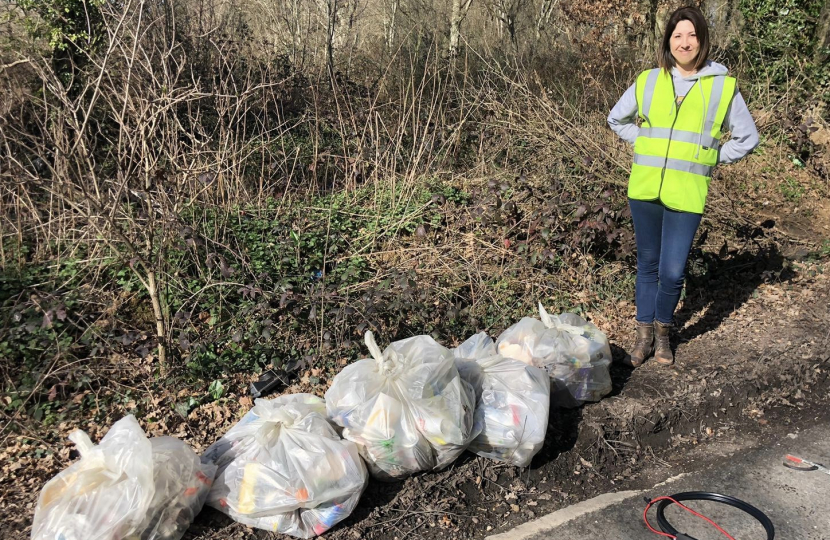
798	503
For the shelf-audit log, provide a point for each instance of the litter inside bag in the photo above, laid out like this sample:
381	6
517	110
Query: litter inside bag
512	402
127	486
284	468
574	352
407	407
182	483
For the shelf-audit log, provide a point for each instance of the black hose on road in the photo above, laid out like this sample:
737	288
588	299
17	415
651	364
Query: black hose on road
666	527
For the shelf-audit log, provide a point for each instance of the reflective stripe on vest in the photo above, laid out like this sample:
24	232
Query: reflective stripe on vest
673	164
677	146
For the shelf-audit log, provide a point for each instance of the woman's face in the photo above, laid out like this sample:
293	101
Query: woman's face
684	45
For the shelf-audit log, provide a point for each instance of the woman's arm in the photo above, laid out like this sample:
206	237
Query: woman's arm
622	116
744	134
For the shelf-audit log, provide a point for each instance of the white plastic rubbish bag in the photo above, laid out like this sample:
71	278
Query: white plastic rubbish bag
128	486
284	468
181	485
512	402
574	352
407	407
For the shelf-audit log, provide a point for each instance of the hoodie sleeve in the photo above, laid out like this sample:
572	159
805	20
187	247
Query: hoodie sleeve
744	134
622	116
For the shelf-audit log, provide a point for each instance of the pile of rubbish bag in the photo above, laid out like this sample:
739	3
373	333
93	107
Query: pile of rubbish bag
128	486
512	402
407	407
574	352
295	464
284	468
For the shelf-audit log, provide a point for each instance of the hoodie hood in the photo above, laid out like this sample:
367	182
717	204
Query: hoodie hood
683	85
709	70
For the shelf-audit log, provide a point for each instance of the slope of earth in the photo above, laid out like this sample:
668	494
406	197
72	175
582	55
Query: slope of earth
770	351
752	345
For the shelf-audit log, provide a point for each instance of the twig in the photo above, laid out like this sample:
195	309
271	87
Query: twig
15	63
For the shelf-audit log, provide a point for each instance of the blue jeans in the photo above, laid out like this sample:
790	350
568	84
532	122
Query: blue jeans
664	238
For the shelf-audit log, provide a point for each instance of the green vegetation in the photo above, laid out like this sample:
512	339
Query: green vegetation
790	189
208	207
781	44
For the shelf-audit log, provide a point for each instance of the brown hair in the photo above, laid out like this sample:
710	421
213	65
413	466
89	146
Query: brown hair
694	16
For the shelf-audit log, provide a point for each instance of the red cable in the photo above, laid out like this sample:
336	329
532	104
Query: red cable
652	529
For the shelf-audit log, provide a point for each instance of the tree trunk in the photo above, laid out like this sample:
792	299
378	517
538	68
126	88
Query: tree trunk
296	33
725	20
543	19
510	23
459	11
153	291
331	24
656	20
822	51
391	21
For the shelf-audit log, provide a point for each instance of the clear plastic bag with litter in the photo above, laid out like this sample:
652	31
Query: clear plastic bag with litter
182	483
284	468
512	402
574	352
127	486
406	407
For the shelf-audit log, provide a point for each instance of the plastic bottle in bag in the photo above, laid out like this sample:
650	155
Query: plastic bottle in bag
284	468
407	407
574	352
512	402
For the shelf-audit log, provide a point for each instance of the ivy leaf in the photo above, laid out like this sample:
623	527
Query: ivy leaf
181	408
216	389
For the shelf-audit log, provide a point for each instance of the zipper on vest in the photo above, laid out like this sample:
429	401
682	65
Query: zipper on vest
671	131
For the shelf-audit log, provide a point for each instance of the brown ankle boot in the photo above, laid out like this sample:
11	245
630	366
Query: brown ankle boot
643	345
662	348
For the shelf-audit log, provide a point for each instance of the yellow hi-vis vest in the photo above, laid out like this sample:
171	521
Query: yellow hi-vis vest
677	146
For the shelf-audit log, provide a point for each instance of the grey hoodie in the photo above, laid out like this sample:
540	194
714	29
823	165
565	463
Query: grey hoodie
738	120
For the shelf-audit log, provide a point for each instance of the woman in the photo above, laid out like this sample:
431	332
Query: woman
684	105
